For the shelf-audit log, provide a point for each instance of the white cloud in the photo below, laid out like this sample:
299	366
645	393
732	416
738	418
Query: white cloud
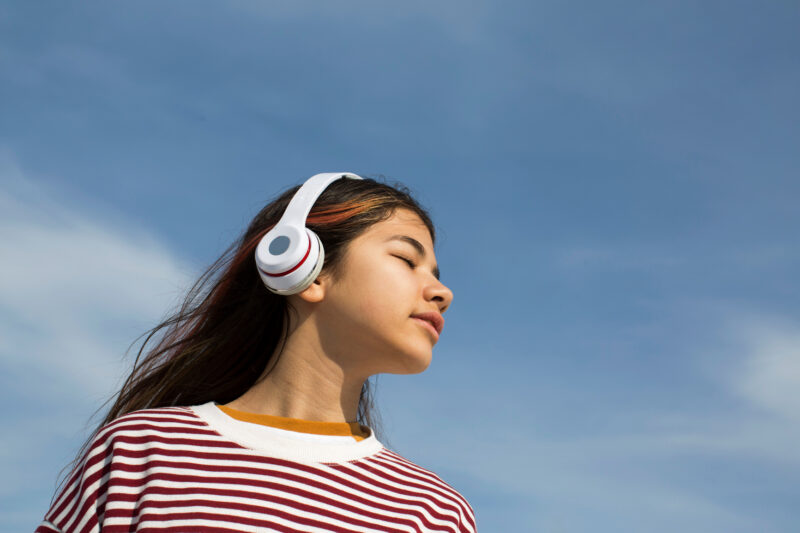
75	289
770	373
741	420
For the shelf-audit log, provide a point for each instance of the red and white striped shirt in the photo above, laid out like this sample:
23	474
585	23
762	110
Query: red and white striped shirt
197	469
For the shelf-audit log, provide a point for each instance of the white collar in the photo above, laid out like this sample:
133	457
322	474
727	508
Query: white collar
285	444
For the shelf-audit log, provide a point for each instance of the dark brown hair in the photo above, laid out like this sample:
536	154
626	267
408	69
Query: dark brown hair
218	343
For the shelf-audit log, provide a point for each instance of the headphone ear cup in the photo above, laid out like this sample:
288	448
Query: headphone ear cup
303	274
289	257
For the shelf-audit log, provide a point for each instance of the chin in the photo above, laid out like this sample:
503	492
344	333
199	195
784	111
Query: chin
406	358
418	362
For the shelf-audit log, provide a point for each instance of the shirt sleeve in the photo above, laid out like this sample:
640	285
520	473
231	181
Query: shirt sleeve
80	504
468	525
47	527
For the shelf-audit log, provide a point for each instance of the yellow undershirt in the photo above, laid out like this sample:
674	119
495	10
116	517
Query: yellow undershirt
342	429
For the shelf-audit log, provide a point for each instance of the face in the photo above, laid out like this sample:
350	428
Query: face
365	316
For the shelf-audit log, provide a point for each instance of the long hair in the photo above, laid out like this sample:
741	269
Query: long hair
219	342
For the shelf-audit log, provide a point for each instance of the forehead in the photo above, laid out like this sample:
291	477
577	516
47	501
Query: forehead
403	222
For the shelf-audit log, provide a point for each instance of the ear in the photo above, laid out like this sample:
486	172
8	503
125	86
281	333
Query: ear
315	292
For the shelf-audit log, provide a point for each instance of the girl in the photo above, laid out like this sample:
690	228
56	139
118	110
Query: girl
253	410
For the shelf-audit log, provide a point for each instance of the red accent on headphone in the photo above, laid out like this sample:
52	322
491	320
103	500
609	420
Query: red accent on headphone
294	267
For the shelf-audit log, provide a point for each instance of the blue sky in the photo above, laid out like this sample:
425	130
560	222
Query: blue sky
615	188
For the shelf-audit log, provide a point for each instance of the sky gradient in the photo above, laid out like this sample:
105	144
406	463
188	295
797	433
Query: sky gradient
615	189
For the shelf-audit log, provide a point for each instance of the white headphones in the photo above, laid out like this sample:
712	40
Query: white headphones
289	256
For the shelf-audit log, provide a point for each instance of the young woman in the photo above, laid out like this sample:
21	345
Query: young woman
253	410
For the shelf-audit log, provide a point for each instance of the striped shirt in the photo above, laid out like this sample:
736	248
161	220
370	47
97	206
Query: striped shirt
198	469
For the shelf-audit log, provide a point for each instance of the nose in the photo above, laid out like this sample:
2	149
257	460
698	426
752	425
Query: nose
439	293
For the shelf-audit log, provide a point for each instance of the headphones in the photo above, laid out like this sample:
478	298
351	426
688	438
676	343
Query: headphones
289	256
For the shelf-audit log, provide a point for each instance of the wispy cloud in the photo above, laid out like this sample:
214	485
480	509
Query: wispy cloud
76	289
647	473
770	374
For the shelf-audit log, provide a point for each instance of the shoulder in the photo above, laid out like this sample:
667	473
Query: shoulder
420	477
142	434
118	452
154	415
153	422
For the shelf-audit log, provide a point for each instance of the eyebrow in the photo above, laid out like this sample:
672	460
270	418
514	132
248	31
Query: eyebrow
417	246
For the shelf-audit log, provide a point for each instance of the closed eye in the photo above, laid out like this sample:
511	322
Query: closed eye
409	261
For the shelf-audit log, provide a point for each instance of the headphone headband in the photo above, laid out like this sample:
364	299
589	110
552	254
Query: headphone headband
303	200
290	256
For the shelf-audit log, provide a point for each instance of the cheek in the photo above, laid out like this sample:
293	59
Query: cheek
375	304
379	296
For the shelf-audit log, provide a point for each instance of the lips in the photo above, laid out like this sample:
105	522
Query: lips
435	319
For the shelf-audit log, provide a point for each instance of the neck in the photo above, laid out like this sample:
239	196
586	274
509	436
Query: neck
304	383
